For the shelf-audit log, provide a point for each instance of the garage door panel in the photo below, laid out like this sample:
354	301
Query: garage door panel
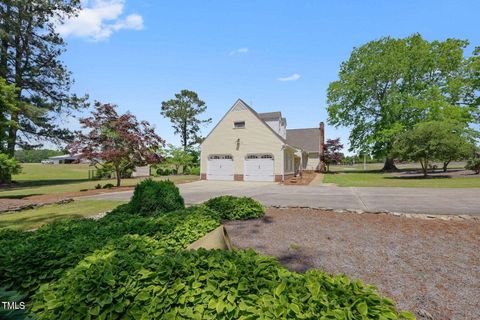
259	169
220	169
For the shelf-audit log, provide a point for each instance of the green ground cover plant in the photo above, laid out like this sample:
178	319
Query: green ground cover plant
236	208
138	278
28	259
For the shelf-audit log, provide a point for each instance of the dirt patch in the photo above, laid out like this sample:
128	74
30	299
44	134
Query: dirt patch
430	267
8	204
303	180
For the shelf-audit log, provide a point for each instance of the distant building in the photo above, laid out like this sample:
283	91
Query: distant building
65	159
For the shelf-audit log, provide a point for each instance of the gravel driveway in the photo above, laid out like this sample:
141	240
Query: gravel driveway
430	267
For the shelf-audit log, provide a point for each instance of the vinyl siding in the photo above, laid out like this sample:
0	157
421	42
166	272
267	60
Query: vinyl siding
256	137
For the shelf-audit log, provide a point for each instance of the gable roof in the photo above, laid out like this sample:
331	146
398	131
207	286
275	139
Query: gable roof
240	101
265	116
307	139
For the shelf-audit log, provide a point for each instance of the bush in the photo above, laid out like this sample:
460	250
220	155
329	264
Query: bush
235	208
8	167
28	259
164	171
474	165
98	186
108	186
130	279
151	197
195	171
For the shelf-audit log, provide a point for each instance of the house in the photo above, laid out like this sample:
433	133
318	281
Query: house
64	159
250	146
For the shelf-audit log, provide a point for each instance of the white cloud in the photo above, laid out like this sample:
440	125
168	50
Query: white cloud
293	77
99	19
238	51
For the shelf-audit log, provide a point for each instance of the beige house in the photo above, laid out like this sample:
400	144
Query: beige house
251	146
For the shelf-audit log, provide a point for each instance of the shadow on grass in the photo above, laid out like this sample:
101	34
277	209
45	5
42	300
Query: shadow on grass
418	177
20	196
41	183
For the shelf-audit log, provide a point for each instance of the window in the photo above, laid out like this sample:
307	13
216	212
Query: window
239	124
220	156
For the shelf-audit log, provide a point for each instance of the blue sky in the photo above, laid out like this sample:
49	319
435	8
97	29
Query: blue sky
138	53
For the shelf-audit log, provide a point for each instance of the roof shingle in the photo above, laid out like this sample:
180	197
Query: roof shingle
307	139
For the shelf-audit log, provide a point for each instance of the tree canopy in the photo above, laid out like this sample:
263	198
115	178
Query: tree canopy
389	85
183	112
30	50
333	154
120	140
433	140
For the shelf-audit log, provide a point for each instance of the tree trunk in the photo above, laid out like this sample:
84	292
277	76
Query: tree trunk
117	173
424	164
445	165
389	165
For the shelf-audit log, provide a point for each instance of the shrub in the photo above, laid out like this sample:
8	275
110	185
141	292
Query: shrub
108	186
195	171
152	197
8	167
164	171
235	208
130	279
474	165
98	186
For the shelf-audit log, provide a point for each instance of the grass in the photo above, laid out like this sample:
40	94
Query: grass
34	218
355	176
37	179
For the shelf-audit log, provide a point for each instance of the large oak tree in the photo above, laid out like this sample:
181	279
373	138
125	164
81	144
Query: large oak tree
389	85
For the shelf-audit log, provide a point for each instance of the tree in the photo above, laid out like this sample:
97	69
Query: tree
474	165
178	157
183	113
332	152
35	156
30	50
8	167
9	104
120	140
389	85
430	141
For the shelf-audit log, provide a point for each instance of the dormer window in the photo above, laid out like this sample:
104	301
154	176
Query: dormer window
239	125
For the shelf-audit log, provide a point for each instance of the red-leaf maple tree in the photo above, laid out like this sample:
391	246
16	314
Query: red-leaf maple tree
332	152
120	140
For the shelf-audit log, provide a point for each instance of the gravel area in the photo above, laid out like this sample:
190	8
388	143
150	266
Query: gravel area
430	267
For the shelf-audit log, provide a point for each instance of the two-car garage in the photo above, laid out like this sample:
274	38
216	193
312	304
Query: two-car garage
256	167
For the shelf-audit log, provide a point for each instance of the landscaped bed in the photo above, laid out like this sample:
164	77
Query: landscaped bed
428	266
131	264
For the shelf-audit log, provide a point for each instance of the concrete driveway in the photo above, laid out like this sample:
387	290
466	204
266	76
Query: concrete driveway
408	200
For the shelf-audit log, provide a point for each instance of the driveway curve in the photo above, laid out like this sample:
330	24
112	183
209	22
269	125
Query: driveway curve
441	201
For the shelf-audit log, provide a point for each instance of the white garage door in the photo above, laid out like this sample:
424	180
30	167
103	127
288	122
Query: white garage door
259	167
220	167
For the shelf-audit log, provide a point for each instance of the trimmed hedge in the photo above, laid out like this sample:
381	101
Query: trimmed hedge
28	259
152	197
132	279
236	208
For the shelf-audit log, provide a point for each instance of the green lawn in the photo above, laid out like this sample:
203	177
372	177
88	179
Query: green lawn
38	179
355	176
34	218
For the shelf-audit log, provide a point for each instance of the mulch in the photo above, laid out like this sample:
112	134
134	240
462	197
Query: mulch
428	266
